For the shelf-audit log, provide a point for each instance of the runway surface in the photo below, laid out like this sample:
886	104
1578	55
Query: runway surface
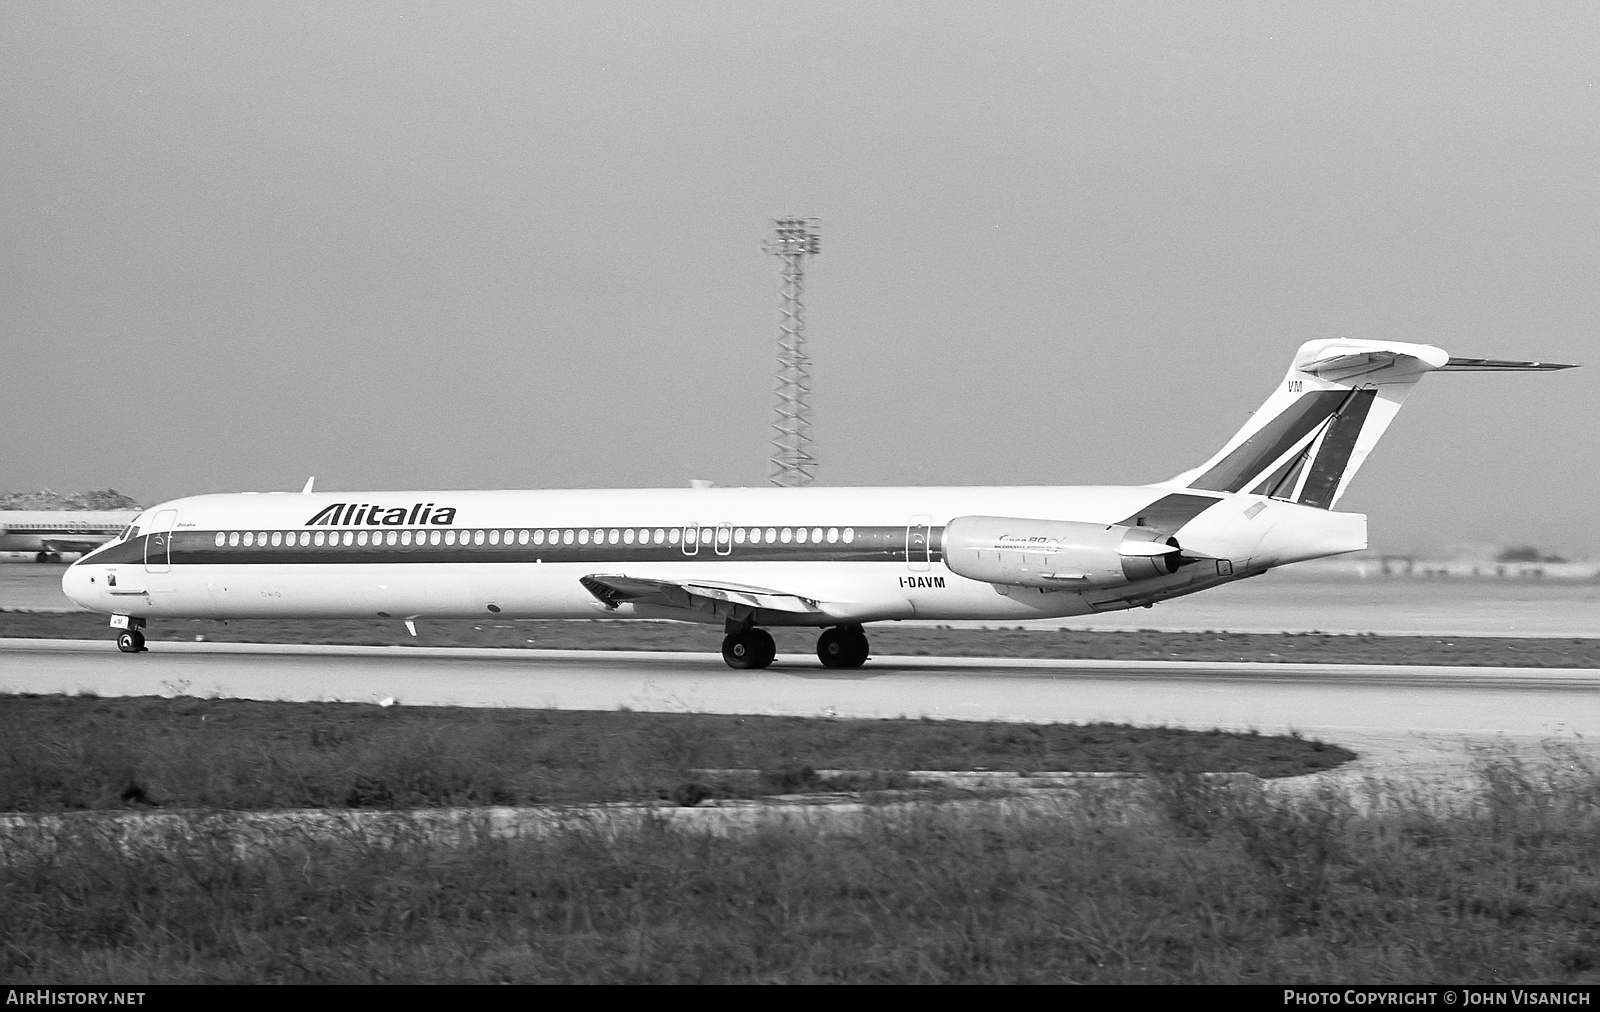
1294	599
1397	717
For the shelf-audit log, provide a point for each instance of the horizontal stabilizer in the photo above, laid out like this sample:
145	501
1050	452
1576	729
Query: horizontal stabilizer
1313	433
1499	365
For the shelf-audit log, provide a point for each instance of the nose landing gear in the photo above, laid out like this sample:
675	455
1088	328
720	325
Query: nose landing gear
130	640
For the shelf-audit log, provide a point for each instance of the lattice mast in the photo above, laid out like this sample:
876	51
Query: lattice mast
791	241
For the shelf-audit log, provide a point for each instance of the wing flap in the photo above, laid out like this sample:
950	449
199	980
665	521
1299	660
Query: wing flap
615	590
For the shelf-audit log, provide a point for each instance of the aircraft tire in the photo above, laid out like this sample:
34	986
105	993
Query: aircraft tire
843	647
130	641
748	650
768	649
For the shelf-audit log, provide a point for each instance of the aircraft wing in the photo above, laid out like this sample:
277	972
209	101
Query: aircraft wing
690	595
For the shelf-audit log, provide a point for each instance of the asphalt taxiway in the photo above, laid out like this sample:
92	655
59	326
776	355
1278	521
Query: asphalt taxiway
1396	716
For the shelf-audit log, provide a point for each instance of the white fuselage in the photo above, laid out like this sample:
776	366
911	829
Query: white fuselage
857	554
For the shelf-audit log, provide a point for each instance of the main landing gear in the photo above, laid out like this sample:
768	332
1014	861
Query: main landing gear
843	646
749	648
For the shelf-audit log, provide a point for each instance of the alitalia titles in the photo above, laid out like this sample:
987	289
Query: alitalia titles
353	514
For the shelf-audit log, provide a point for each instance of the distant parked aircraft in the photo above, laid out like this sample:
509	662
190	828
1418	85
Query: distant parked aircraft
745	558
49	533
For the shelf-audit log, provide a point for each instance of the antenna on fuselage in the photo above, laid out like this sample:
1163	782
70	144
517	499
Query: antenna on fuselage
309	482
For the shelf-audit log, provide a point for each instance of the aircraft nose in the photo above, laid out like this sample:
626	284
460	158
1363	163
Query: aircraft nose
75	584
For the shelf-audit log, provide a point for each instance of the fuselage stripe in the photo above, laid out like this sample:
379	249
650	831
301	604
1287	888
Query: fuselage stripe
199	547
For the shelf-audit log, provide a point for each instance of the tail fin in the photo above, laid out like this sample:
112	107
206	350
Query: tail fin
1312	435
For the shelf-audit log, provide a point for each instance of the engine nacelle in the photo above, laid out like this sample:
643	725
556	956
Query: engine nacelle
1056	554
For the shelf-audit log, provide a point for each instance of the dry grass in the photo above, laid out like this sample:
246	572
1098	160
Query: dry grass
1233	884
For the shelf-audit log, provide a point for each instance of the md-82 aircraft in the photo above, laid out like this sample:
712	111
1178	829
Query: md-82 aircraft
749	558
49	533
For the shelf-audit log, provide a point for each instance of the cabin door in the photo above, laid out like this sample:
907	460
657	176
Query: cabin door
158	546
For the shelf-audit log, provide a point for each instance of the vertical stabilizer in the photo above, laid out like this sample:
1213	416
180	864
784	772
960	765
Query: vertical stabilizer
1315	431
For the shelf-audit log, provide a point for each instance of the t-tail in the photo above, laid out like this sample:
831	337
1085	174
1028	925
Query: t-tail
1315	431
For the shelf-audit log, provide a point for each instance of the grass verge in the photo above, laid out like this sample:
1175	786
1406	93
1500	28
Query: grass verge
62	753
1190	882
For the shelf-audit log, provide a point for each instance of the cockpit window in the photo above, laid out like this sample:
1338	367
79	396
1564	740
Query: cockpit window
127	532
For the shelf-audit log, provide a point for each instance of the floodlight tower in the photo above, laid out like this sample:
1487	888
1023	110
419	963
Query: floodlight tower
791	241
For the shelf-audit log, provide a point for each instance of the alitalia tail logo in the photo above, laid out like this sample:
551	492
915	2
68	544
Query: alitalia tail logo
342	514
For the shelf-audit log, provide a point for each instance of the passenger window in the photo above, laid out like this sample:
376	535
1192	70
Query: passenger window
772	535
583	536
849	534
222	539
522	537
538	537
405	537
477	537
672	536
785	536
800	536
738	536
566	537
449	537
433	537
833	535
249	538
277	538
361	539
705	535
318	539
233	539
494	537
660	535
393	537
612	536
599	536
816	535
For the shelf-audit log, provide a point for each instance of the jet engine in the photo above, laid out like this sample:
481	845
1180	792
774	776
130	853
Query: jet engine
1056	554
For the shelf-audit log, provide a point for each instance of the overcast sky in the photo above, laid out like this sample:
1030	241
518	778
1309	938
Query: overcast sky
518	245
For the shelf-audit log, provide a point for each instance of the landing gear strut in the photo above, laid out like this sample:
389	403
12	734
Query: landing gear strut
47	557
748	648
130	640
843	646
